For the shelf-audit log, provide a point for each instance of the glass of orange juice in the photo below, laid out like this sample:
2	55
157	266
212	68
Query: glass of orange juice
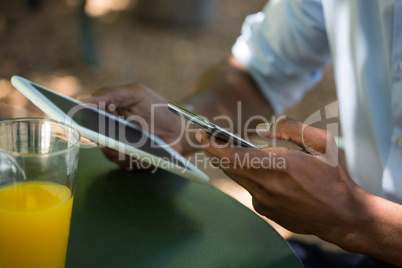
38	163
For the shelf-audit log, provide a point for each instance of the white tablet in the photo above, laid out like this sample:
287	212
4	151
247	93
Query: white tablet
108	130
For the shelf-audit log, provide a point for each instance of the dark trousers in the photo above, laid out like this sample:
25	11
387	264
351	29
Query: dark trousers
313	256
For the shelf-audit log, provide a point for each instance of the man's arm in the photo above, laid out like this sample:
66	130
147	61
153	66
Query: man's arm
217	92
283	48
380	235
310	191
278	57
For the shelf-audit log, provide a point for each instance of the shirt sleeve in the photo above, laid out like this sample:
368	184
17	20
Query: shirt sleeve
285	48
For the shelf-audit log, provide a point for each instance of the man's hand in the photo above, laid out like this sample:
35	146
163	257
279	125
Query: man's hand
143	107
308	191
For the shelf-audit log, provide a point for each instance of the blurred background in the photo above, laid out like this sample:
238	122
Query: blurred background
76	46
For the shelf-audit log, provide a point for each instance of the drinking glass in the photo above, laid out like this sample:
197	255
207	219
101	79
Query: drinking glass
38	163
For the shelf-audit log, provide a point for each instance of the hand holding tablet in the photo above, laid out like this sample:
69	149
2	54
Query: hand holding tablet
108	130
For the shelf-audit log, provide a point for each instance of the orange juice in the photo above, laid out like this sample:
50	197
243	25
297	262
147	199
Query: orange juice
34	224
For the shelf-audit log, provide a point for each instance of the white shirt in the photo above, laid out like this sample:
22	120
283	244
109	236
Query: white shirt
286	46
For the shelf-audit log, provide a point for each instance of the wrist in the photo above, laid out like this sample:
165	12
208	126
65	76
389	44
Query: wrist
375	228
357	229
351	223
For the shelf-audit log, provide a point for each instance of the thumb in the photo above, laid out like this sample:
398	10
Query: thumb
119	96
106	95
310	139
85	98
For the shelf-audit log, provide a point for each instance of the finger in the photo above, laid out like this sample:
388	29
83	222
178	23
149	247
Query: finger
223	152
259	207
309	138
84	98
91	98
122	96
212	145
242	161
257	192
254	188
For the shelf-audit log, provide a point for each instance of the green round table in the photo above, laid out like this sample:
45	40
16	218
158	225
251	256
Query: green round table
140	219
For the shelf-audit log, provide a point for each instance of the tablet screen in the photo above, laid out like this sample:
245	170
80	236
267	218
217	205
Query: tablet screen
109	125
